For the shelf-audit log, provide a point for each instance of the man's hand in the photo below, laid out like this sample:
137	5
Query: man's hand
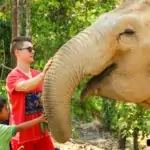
44	124
21	148
43	118
47	66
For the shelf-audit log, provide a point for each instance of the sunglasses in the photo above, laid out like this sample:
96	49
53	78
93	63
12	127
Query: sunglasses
30	49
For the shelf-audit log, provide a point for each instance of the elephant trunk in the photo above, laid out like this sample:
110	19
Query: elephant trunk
85	54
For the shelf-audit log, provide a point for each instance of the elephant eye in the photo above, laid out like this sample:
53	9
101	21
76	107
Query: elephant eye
128	32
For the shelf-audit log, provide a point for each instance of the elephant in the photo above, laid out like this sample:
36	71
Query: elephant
114	51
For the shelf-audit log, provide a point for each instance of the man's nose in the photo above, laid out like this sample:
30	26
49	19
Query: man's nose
33	52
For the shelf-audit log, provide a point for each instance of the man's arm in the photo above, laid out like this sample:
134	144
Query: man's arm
30	84
29	124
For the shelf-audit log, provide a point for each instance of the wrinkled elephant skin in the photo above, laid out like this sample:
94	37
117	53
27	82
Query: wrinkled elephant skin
115	50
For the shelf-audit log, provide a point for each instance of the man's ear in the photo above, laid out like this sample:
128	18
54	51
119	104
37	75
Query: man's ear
16	52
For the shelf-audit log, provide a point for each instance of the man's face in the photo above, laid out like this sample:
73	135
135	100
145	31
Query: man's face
4	113
25	53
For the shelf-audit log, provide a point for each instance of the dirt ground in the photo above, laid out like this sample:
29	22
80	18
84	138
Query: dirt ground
72	145
94	137
97	144
91	137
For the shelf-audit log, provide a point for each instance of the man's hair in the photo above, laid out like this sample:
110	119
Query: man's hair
17	43
3	102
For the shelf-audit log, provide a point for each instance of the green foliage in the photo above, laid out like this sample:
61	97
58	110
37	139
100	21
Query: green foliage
125	117
5	37
83	111
55	22
3	89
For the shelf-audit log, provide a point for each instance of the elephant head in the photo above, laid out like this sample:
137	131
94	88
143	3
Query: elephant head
115	51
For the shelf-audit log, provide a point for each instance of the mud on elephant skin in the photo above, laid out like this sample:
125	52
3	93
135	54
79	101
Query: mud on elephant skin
121	38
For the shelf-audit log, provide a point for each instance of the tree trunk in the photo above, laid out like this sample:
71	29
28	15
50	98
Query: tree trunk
135	139
18	18
28	11
15	15
122	141
14	27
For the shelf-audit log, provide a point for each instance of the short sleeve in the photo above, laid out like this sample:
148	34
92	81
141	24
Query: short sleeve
7	132
12	80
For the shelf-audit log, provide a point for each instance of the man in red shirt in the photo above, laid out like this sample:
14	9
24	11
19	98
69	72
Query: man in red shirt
24	86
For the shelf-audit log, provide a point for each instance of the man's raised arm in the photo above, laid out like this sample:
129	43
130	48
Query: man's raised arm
30	84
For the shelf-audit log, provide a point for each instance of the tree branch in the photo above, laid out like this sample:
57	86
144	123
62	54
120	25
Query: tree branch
2	65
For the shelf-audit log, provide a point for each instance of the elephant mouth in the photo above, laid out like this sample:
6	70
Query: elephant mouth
96	80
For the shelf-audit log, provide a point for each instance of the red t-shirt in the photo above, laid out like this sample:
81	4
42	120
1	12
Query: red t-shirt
24	106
